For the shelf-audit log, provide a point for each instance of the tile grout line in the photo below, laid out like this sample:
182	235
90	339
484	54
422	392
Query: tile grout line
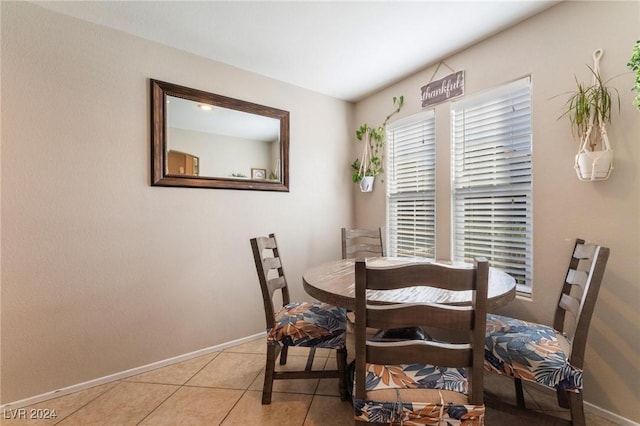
159	405
244	392
178	388
118	382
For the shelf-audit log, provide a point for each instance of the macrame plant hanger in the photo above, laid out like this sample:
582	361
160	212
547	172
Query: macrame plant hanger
589	165
365	184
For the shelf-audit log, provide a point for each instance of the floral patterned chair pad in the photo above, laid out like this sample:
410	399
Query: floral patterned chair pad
307	324
417	394
530	351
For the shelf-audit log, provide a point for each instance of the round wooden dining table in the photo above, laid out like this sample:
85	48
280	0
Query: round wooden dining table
334	283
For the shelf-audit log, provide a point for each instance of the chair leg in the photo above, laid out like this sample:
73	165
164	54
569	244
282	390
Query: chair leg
341	360
563	398
519	393
577	409
283	355
310	357
272	354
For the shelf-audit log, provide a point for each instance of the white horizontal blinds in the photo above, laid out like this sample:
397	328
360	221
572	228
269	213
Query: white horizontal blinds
411	186
492	179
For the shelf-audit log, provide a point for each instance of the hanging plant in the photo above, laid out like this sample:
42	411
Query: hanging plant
634	65
371	162
589	108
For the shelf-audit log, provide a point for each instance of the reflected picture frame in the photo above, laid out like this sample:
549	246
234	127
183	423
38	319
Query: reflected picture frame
258	174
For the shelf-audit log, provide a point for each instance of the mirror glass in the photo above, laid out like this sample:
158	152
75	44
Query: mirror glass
206	140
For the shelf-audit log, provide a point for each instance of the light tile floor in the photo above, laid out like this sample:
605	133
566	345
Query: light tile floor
224	388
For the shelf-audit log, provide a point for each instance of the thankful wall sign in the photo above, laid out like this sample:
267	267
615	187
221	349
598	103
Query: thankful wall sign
442	90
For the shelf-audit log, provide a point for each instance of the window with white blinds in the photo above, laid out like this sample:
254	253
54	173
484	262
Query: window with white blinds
411	186
491	171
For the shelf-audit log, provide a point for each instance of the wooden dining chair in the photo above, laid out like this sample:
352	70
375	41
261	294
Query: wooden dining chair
362	243
303	324
420	382
552	357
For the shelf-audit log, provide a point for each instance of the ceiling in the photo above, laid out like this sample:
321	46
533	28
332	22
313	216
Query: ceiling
343	49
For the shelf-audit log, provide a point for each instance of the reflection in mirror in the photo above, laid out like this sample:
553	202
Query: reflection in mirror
205	140
227	143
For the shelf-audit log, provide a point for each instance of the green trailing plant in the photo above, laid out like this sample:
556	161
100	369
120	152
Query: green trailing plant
634	65
590	104
374	137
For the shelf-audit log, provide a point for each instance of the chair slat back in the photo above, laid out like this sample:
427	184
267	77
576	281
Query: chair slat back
270	274
568	303
453	317
577	277
421	274
467	323
271	263
361	243
579	295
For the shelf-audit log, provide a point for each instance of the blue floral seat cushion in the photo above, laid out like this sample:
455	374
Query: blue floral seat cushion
310	325
530	351
417	394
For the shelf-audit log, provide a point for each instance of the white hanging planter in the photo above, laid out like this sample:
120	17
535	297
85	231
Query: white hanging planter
366	184
594	165
365	169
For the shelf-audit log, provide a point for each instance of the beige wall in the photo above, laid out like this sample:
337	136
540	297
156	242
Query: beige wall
102	272
552	47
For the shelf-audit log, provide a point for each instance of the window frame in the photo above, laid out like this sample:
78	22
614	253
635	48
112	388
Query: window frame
422	240
505	176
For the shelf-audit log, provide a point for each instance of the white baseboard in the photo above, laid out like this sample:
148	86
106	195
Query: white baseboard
123	374
615	418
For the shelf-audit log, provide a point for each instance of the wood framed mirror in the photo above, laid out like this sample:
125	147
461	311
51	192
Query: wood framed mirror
205	140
